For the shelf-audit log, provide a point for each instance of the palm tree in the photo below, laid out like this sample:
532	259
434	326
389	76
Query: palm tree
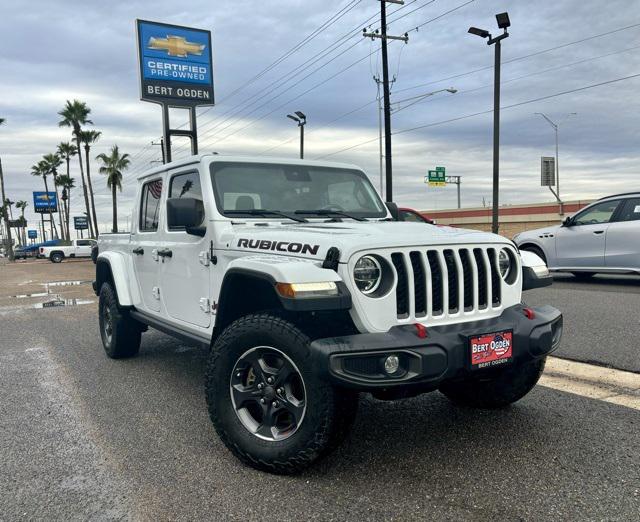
88	138
5	215
75	114
22	205
67	183
113	165
66	151
8	203
53	161
42	170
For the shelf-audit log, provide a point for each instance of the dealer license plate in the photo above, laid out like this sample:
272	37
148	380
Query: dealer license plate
490	350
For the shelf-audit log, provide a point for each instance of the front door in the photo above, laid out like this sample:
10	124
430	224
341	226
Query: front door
623	237
185	274
582	244
145	244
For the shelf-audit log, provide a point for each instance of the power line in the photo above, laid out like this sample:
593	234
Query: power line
466	116
518	58
325	81
291	74
328	23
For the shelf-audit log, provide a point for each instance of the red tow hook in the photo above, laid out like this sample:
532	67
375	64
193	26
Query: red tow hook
421	330
529	313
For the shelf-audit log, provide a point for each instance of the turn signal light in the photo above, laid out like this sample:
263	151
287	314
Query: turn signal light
300	290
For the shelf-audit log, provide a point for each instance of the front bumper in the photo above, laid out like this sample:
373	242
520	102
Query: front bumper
357	361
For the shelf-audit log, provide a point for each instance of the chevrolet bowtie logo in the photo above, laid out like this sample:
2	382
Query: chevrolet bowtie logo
176	46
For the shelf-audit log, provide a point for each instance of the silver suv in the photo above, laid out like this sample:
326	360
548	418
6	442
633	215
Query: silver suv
602	238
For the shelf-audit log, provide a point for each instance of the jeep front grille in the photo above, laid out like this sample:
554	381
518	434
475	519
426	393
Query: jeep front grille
436	283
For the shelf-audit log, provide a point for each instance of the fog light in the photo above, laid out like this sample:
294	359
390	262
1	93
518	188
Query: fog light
391	364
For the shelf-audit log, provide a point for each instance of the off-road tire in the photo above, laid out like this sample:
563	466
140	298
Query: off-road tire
583	276
56	257
329	412
497	391
126	332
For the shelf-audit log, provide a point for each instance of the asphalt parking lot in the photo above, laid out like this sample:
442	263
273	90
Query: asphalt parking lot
85	437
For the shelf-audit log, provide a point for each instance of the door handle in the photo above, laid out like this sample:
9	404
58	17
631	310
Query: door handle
138	251
598	231
165	252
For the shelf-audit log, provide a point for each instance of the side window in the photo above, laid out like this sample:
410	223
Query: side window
631	210
150	205
598	213
410	216
186	185
83	242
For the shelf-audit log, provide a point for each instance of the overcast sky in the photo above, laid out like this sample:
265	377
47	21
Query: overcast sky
54	50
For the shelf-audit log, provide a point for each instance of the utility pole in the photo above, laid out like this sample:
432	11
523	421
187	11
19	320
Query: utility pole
5	215
385	87
379	99
161	148
503	23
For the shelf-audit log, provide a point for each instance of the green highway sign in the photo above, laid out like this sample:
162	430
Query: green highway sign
437	178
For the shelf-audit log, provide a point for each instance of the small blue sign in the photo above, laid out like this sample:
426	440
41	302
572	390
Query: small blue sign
80	222
32	234
45	202
175	64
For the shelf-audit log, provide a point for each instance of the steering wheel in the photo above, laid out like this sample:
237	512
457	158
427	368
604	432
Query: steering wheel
333	207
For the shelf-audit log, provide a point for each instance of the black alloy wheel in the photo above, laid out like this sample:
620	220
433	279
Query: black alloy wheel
268	393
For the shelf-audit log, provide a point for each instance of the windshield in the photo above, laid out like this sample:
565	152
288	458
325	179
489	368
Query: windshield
248	187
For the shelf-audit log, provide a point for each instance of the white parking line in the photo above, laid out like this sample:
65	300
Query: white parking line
593	382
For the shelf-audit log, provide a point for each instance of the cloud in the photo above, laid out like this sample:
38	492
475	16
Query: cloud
56	51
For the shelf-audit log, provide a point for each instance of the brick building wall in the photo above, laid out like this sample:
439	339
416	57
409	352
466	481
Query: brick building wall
512	218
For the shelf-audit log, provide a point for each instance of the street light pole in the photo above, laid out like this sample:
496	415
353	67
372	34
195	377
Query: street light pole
301	119
503	23
495	224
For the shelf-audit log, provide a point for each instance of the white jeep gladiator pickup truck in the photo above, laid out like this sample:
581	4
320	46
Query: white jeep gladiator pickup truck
307	290
78	248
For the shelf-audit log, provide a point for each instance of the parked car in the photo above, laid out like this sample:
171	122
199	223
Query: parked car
78	248
603	237
306	292
24	252
408	214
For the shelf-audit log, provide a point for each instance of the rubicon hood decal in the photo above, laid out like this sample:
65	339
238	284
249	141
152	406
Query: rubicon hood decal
278	246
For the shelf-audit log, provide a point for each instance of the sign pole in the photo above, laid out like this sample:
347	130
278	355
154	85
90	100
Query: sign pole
176	71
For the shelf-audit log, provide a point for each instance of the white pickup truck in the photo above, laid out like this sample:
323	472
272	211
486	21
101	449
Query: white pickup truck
307	290
78	248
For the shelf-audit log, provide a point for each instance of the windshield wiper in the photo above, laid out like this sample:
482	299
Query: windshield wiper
328	212
265	212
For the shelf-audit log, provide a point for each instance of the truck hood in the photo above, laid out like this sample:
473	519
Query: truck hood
313	240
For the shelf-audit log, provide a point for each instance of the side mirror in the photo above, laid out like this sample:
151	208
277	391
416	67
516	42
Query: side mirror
393	209
568	221
187	213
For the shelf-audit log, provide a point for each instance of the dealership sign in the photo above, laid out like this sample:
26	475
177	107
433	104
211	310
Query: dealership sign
45	202
80	222
175	64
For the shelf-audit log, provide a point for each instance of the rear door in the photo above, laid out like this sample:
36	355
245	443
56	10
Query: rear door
582	244
623	237
145	243
184	279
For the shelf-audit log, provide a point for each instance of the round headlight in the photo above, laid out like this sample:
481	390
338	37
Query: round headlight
504	263
367	274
